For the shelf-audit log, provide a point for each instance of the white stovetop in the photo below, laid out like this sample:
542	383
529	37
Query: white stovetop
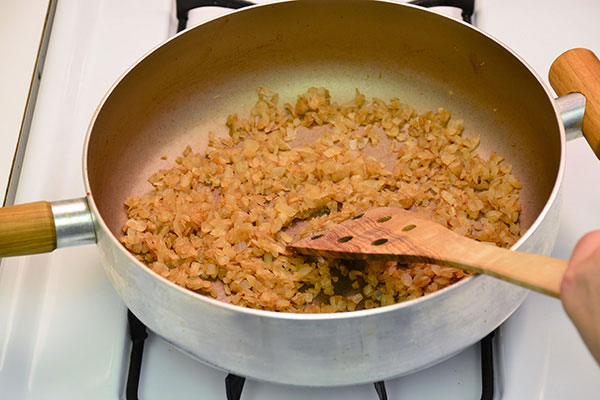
19	45
62	326
551	354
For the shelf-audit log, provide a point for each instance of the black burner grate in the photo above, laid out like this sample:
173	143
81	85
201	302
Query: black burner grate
138	334
467	6
380	389
235	384
184	6
487	367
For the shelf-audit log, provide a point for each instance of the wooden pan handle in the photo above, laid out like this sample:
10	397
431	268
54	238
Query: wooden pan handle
578	70
27	229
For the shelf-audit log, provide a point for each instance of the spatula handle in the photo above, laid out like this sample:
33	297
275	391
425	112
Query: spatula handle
532	271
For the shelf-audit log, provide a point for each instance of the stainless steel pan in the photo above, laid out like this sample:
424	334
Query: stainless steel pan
187	86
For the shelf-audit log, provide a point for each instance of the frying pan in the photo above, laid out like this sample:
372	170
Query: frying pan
186	87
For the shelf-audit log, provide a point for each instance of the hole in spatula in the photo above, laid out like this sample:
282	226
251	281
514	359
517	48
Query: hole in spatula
345	239
358	216
384	219
379	242
316	237
408	228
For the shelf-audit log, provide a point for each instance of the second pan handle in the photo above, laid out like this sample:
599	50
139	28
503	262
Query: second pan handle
578	71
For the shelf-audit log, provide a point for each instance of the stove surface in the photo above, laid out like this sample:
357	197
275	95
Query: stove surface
63	329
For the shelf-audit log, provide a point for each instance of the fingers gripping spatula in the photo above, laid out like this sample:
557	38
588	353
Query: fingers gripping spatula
395	234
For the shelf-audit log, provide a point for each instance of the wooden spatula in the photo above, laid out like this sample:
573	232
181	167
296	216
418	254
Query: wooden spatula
394	234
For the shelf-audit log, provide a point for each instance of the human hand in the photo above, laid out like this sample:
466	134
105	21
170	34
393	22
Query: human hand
580	290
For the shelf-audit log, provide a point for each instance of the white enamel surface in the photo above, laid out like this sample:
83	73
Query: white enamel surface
542	355
62	326
63	330
19	44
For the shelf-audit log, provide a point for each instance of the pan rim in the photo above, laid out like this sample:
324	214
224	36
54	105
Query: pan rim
99	221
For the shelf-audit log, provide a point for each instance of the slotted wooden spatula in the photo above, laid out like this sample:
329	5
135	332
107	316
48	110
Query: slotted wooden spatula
394	234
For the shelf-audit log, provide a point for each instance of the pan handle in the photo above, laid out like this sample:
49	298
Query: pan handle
42	226
578	71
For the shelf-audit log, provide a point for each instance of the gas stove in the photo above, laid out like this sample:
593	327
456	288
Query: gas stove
64	332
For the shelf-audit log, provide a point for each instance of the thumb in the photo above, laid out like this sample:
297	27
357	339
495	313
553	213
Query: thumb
585	247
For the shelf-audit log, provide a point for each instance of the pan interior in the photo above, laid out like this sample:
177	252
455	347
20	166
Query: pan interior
187	87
